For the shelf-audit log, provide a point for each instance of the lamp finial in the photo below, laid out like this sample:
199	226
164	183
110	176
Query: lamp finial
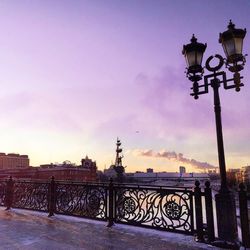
193	39
231	25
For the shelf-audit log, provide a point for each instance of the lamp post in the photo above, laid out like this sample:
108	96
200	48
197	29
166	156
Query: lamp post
232	43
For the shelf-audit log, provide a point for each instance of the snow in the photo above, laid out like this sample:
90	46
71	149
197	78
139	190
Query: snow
98	230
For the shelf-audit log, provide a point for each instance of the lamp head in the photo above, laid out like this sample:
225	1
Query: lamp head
232	43
193	53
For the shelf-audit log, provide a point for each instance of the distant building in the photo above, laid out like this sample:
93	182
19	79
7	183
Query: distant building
182	170
167	176
110	172
234	176
239	175
212	171
150	170
65	171
246	174
68	171
13	161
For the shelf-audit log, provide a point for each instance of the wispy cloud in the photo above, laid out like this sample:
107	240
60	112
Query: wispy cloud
173	156
167	95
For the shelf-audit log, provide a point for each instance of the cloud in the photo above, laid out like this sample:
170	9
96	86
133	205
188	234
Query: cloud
173	156
167	96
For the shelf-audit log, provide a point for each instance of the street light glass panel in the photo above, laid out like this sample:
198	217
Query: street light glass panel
232	42
233	46
229	47
199	56
191	58
238	45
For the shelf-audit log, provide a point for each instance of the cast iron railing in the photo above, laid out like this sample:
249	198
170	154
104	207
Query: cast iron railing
164	208
88	200
30	195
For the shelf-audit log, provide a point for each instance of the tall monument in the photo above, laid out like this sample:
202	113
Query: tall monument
119	169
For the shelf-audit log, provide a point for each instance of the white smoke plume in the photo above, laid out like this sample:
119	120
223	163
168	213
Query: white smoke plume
171	155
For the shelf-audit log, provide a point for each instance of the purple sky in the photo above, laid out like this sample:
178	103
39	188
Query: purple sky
74	75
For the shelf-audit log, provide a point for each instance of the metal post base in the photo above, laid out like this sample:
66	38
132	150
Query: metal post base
226	217
110	224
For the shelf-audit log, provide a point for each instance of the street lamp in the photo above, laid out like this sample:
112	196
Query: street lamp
232	43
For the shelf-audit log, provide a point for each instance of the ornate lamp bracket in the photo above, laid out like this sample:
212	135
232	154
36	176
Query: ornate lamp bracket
218	66
217	77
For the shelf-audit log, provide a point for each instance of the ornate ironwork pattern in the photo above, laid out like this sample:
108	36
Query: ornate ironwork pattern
31	195
158	208
88	201
2	192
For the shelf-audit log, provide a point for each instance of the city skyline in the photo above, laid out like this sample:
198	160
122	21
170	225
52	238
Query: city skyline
76	76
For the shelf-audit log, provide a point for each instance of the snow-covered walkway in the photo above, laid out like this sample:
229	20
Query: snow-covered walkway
23	229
